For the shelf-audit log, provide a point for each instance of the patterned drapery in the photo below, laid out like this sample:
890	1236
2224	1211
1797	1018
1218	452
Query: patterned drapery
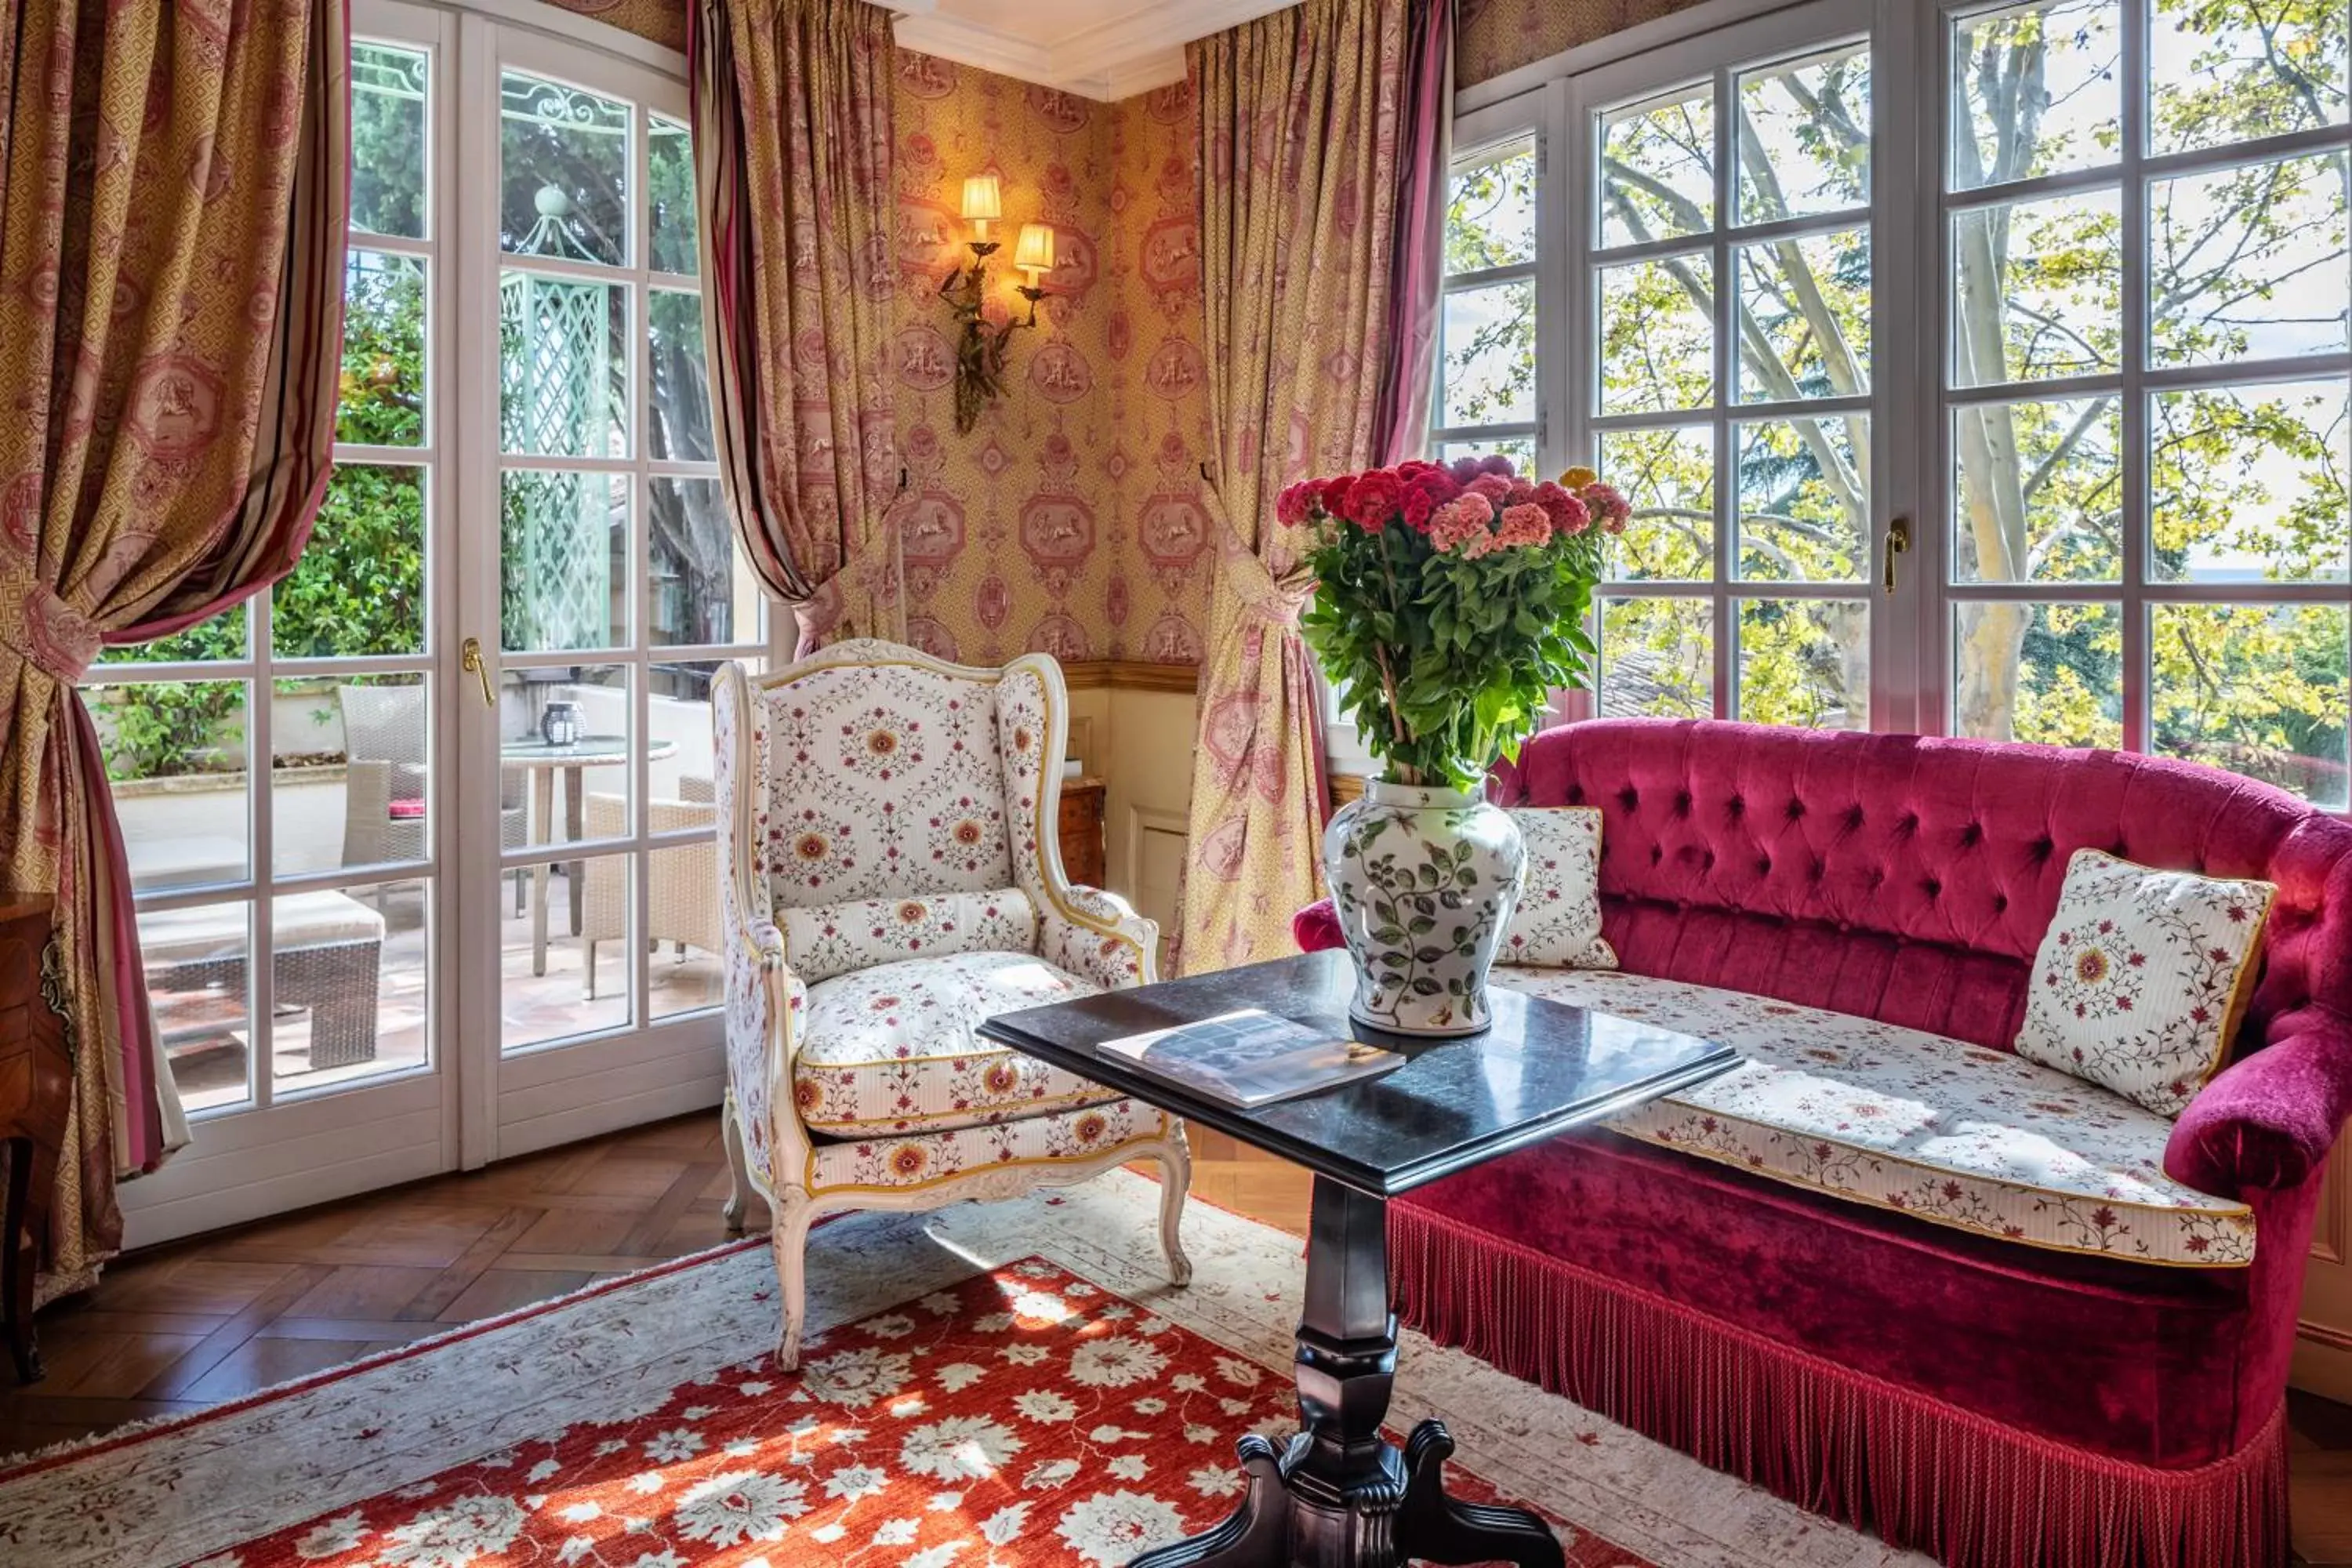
795	171
1310	143
173	181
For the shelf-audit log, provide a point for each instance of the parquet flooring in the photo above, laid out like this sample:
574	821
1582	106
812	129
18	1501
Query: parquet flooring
220	1316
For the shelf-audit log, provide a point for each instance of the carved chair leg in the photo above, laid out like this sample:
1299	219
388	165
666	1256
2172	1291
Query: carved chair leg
739	1174
789	1240
1175	1183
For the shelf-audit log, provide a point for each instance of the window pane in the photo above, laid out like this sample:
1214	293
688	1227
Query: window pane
2003	131
2038	491
220	638
382	398
575	981
1804	500
2256	688
1657	335
538	708
195	961
564	172
564	561
683	936
561	367
2039	288
1520	449
1657	659
1805	662
351	784
360	586
2050	672
1669	475
1488	341
2248	263
1490	220
1804	137
678	410
351	980
1657	169
702	592
175	752
2246	483
388	155
669	197
1809	298
2224	71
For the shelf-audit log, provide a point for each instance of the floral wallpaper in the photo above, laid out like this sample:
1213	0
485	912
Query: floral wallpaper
1069	518
1495	35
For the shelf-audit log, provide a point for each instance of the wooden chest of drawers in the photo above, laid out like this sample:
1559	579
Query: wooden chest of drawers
1081	831
36	1093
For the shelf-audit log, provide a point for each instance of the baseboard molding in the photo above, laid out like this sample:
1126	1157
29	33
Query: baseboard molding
1131	675
2322	1363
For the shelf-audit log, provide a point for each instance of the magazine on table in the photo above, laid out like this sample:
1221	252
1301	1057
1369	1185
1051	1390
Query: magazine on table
1251	1058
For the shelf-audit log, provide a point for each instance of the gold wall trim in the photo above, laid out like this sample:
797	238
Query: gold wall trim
1131	675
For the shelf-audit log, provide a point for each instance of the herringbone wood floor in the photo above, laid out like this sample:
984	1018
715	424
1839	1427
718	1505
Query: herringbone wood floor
211	1318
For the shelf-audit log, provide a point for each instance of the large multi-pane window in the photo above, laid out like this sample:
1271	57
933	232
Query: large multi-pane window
1487	392
1980	368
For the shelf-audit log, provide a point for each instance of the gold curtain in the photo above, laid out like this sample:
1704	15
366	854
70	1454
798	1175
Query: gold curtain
1300	164
793	137
173	181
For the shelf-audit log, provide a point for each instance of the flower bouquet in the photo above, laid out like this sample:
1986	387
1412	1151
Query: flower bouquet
1450	604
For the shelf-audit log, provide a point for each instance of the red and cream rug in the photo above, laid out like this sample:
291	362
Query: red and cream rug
1000	1388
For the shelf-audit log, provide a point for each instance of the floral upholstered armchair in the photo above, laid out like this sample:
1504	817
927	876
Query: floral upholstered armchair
890	878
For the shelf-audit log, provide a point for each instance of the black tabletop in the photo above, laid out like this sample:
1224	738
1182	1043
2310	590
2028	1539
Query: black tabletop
1542	1069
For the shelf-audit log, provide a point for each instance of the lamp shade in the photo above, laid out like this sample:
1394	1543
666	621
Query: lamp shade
1034	253
982	202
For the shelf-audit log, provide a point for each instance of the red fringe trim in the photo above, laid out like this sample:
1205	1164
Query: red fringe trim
1923	1474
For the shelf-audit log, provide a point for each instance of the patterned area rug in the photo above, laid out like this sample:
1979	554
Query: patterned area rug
993	1387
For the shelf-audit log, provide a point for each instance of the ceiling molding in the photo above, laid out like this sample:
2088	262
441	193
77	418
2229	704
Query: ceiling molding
1139	48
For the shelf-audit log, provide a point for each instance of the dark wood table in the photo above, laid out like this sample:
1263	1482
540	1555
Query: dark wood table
35	1096
1340	1495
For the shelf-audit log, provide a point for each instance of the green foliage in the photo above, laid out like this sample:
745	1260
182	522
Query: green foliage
1446	662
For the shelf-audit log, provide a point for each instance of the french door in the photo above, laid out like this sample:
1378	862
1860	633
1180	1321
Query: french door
421	841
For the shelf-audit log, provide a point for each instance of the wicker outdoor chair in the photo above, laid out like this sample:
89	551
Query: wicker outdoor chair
682	881
384	793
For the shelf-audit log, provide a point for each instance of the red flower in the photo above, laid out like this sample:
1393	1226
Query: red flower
1290	508
1335	495
1373	500
1417	505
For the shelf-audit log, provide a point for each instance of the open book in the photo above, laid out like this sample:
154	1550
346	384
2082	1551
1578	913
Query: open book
1252	1058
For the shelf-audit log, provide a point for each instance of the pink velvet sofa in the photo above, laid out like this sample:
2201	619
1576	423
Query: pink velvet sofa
1989	1402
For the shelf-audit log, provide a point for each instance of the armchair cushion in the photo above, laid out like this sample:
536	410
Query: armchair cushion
2267	1122
891	1049
835	939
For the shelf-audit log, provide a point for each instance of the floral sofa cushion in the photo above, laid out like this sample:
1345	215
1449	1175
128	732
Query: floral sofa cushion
1558	918
1957	1134
935	1156
892	1049
2142	977
834	939
886	781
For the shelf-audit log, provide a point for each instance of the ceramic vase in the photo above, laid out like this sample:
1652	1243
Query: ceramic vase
1423	881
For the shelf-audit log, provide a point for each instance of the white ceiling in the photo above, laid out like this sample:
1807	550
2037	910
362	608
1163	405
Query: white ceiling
1106	50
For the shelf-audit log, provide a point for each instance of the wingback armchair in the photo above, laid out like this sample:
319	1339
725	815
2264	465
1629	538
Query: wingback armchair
889	877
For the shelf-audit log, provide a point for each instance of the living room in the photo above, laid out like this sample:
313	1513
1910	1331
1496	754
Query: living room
797	781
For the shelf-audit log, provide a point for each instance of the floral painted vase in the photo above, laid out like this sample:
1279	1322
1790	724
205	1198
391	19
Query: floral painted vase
1423	881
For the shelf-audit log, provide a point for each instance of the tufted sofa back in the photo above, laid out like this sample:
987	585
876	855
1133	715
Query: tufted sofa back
1909	878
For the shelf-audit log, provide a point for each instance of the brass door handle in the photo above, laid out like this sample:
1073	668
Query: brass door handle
469	656
1898	542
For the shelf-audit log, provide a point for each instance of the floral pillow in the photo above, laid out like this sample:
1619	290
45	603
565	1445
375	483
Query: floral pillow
2142	977
1558	922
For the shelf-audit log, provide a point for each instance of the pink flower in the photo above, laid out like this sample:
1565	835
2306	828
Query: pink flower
1570	515
1464	470
1520	493
1494	486
1373	500
1462	520
1499	466
1525	523
1608	503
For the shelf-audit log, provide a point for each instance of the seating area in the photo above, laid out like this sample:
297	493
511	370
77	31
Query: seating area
708	699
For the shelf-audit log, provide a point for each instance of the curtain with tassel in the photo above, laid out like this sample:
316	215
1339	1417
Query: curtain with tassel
173	181
795	175
1321	169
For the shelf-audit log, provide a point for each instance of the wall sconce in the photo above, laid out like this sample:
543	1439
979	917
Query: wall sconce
980	355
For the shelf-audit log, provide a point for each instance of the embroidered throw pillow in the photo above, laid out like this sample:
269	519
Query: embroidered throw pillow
1557	922
2142	977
